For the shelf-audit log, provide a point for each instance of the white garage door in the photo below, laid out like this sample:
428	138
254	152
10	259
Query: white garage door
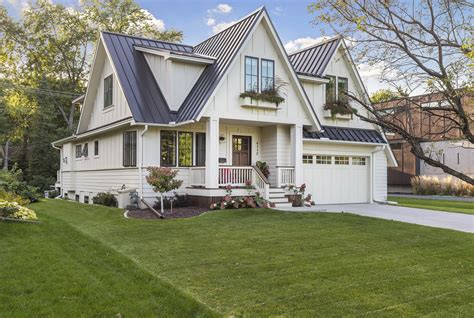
336	179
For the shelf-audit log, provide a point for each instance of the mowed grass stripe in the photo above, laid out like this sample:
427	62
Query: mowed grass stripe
260	262
52	269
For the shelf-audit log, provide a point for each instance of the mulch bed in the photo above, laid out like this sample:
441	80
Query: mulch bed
177	213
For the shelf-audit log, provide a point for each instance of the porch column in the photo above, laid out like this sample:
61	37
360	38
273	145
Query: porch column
212	152
296	133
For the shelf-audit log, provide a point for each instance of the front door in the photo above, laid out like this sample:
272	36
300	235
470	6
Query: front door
241	150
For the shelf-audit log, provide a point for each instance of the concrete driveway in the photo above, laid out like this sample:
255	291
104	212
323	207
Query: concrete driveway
445	220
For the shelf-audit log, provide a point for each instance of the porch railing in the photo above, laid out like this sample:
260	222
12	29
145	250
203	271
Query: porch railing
197	176
285	176
238	176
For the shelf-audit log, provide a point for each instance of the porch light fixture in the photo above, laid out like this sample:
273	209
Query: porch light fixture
221	138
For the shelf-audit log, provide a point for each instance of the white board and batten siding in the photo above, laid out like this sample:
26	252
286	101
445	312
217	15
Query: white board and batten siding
100	116
380	176
227	103
174	78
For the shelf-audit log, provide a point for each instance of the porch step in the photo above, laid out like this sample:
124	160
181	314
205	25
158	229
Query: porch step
283	205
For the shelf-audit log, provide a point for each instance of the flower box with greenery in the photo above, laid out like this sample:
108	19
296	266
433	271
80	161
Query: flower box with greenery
269	98
338	110
162	179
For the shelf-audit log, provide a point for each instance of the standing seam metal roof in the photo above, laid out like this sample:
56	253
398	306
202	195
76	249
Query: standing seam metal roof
313	60
346	134
224	47
141	90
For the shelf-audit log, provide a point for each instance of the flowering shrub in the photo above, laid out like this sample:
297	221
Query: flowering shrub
234	203
162	179
16	211
444	186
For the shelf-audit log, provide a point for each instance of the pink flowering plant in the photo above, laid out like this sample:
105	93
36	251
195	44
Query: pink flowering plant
162	179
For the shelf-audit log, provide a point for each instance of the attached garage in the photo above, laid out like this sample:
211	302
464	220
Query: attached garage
345	165
337	178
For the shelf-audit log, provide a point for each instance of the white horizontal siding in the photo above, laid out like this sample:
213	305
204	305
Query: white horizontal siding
380	176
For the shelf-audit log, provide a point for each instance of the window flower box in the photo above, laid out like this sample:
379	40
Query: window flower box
255	103
328	114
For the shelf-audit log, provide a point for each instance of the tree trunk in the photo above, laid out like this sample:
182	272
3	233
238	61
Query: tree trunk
6	155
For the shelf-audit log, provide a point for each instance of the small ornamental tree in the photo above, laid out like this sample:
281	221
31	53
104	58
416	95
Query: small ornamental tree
163	180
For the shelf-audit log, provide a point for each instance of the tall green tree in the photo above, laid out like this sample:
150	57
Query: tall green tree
423	44
45	60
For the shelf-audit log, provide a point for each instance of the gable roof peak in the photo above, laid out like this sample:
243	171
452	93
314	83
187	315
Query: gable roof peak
326	41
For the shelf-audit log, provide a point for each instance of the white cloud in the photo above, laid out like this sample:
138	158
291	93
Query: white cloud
157	23
277	11
221	26
210	21
302	43
223	8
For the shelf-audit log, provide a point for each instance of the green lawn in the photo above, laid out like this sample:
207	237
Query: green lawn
251	262
438	205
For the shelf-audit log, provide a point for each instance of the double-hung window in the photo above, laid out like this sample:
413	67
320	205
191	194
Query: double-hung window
342	89
251	74
331	90
108	91
78	151
200	149
96	148
85	150
168	148
268	75
130	149
185	149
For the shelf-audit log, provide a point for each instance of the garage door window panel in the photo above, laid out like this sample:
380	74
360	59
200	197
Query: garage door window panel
323	160
308	159
341	160
358	161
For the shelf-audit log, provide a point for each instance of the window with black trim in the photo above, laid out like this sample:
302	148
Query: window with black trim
185	149
108	91
268	75
251	74
130	149
331	90
96	148
200	149
78	151
85	150
168	148
342	88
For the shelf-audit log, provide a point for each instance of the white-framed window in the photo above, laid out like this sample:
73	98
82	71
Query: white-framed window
323	160
336	89
359	161
308	159
96	148
267	75
341	160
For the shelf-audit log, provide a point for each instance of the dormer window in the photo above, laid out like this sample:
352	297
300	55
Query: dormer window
108	91
268	75
336	92
251	74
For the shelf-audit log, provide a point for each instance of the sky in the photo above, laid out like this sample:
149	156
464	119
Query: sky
200	19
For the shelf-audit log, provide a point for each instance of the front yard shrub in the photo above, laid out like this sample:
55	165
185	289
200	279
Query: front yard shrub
11	181
16	211
162	179
105	198
432	185
245	202
13	197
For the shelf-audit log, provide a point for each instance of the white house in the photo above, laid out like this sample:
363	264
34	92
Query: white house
153	103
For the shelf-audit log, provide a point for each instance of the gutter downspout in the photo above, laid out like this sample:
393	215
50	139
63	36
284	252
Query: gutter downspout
140	168
373	173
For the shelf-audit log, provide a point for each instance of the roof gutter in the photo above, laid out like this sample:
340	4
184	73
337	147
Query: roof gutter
170	124
356	143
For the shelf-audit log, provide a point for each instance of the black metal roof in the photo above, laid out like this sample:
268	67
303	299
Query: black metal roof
346	134
224	47
140	88
313	60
